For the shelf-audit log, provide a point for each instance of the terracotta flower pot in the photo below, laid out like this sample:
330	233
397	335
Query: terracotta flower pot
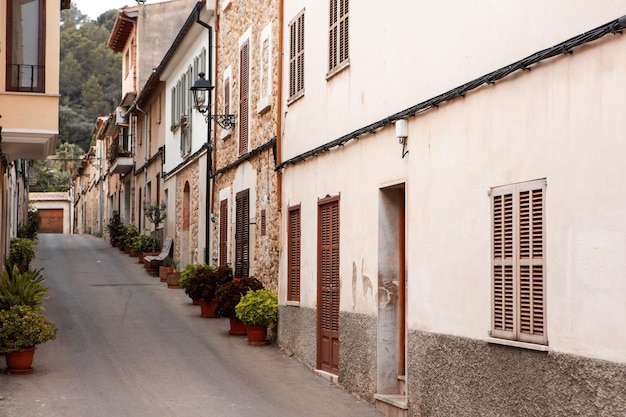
173	279
19	363
207	308
237	328
164	270
257	334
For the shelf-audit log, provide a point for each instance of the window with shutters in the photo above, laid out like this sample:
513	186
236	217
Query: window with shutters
244	96
518	262
227	108
223	259
296	57
338	36
265	73
293	254
242	234
25	45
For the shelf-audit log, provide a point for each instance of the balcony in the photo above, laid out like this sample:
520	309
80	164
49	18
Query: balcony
121	161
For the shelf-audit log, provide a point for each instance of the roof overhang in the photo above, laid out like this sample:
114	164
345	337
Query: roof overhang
121	32
30	145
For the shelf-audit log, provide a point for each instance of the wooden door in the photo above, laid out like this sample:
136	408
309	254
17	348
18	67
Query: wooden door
242	234
51	220
328	286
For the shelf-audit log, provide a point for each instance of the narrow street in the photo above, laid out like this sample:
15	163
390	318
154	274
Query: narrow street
130	347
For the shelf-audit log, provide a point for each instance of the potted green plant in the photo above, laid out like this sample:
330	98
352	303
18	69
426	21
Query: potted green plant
148	245
22	328
132	232
115	229
258	309
228	295
21	288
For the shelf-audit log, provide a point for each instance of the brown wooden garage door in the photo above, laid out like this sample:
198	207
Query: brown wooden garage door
51	220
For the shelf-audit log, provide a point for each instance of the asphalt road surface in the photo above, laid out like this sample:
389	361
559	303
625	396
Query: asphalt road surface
130	347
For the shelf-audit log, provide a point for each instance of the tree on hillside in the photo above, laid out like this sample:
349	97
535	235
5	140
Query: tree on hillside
90	83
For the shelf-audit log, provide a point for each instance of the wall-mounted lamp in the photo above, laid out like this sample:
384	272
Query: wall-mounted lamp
201	89
402	133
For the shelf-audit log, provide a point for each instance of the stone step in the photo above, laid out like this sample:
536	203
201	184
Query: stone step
392	405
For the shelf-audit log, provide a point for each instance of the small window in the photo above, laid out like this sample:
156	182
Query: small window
338	39
518	262
296	57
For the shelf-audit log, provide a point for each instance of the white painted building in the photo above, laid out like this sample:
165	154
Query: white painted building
453	203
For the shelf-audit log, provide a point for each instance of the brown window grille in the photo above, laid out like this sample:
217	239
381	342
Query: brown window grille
223	260
242	234
244	93
296	56
339	42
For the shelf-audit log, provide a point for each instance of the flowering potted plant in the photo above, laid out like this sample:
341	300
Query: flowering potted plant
22	328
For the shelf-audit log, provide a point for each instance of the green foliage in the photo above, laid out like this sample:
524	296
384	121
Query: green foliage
258	307
154	212
130	234
229	294
90	74
31	227
23	327
116	229
145	243
21	288
22	251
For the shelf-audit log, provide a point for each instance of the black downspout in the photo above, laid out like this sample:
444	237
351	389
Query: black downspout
209	144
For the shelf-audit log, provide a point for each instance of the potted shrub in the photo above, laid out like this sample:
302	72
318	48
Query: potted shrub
21	288
22	328
148	245
173	277
115	229
168	265
228	295
204	282
257	310
131	233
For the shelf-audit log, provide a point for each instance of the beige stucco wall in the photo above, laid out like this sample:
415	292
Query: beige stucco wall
558	121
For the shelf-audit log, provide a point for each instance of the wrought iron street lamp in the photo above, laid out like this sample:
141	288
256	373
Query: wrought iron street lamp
201	90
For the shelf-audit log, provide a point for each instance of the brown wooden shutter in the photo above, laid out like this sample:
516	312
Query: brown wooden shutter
518	262
293	254
300	57
531	276
242	234
503	277
343	31
244	88
223	232
328	285
296	56
227	95
332	36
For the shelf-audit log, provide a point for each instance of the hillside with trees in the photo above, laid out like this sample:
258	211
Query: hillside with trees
90	86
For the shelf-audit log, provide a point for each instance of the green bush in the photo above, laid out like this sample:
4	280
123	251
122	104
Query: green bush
258	307
23	327
115	228
31	227
22	251
21	288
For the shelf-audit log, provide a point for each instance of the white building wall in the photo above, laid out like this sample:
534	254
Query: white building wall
562	121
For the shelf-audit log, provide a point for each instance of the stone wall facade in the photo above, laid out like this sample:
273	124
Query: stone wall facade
186	233
247	20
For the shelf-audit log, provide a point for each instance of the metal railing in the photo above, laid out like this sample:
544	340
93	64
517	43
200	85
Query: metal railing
24	77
